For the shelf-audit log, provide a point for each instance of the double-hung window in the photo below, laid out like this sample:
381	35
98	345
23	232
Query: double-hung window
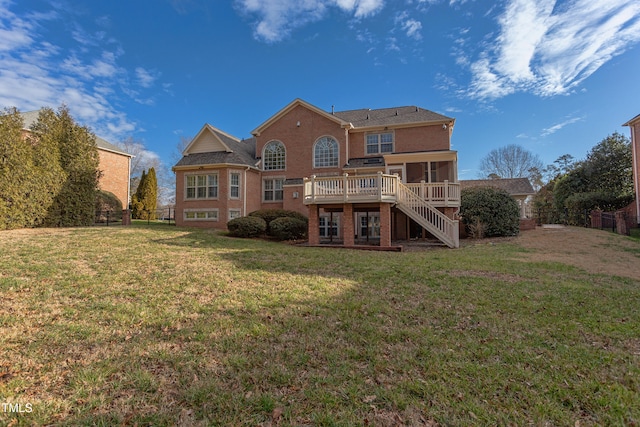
378	143
273	190
234	185
202	186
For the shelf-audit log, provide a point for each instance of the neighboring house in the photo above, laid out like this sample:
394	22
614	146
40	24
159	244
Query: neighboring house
114	163
634	125
518	188
361	176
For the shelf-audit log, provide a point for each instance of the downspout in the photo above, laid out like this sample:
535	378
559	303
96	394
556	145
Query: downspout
244	193
346	138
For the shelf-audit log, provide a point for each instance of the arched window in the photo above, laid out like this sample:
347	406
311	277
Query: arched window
325	153
274	156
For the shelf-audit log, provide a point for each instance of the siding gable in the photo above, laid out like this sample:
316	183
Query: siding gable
210	140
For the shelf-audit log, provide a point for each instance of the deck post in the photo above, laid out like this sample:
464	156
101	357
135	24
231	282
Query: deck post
348	229
314	225
345	187
446	192
385	225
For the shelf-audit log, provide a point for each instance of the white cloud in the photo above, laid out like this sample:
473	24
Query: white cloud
81	71
548	47
146	78
553	129
410	26
276	19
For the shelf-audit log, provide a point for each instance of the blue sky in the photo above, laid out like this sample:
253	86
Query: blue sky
555	77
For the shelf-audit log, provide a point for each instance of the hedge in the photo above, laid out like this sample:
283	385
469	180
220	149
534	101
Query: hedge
490	212
285	228
247	226
270	214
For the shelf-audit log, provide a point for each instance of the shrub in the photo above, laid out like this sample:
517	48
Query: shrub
270	214
107	201
247	226
492	209
285	228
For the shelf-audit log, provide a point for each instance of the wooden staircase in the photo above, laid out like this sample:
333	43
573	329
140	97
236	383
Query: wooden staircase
435	222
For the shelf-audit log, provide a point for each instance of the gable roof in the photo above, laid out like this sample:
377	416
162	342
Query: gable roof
293	104
513	186
365	117
212	146
392	116
30	117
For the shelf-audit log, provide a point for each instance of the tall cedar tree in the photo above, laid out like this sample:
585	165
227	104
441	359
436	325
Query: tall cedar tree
150	195
30	174
74	203
137	206
144	202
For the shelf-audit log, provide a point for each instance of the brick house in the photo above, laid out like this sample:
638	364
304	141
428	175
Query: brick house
361	176
114	163
634	125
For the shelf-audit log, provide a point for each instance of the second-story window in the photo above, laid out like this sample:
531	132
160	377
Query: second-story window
378	143
274	156
325	153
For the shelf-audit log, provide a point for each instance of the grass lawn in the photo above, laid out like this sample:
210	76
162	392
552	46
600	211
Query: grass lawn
157	325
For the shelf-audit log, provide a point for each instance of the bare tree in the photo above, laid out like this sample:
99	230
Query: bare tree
511	161
143	159
180	147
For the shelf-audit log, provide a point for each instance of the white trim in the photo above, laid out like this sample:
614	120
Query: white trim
201	210
239	173
379	133
271	141
196	174
402	167
273	178
238	210
313	153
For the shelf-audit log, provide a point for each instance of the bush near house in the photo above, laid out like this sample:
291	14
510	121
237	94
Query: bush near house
489	212
247	226
286	228
271	214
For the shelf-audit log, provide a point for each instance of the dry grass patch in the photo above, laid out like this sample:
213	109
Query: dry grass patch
165	326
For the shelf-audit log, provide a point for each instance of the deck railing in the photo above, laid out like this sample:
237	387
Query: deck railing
446	194
350	188
376	187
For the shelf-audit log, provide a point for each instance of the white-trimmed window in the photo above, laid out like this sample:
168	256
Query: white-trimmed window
325	153
328	228
200	214
272	189
378	143
201	186
234	213
234	185
274	156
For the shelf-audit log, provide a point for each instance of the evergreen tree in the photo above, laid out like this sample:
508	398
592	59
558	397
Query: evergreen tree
144	202
30	174
150	196
137	205
74	203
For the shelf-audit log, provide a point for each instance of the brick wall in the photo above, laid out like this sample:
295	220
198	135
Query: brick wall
115	175
299	142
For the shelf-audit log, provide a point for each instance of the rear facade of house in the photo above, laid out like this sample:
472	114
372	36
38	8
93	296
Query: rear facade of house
361	176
